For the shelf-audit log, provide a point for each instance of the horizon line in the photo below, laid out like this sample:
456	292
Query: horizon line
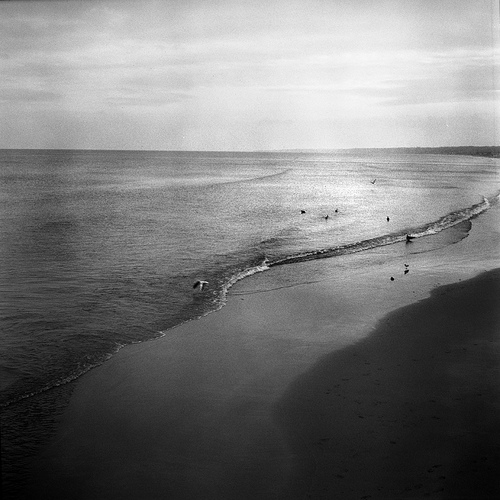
280	150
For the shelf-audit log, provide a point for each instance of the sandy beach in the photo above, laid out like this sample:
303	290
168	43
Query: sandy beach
413	411
298	392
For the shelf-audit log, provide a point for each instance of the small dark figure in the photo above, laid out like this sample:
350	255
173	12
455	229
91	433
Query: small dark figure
407	271
388	219
302	211
336	210
408	238
374	181
392	278
326	217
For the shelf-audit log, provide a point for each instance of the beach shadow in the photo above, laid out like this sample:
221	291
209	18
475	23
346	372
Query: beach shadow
411	411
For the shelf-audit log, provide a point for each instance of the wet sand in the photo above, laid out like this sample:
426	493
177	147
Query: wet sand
246	402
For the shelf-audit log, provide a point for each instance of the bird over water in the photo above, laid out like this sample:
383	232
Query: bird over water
200	285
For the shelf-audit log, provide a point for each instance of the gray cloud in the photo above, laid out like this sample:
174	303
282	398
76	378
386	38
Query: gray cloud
280	64
21	95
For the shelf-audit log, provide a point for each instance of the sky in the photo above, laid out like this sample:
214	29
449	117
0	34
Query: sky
241	75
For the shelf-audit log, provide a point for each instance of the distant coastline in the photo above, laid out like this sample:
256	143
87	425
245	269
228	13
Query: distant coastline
486	151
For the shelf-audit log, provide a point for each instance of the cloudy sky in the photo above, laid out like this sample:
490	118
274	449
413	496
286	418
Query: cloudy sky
246	75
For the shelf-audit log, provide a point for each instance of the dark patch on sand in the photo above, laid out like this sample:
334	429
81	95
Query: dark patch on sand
412	411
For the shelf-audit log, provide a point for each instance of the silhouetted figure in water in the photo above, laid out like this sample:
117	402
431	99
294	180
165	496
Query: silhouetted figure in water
326	217
302	211
336	210
407	271
408	238
392	278
388	219
374	181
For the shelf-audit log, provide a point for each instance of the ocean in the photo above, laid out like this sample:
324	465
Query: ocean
100	249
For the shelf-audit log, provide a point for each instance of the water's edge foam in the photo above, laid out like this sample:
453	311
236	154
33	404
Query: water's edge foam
445	222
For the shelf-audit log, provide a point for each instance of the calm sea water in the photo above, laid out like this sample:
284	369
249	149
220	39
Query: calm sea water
100	249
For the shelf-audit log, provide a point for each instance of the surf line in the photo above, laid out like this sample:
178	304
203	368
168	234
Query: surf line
445	222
